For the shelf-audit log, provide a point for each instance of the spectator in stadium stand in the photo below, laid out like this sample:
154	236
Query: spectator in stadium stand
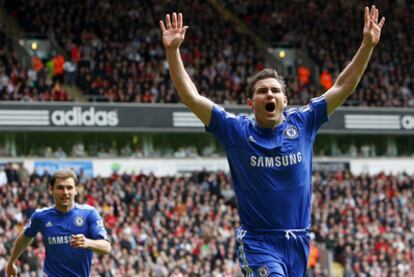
270	158
313	255
71	232
326	79
304	75
37	63
3	176
11	173
23	173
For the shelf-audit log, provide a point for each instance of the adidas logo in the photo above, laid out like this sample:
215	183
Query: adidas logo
81	117
49	224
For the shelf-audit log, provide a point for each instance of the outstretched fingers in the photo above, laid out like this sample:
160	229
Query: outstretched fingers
366	16
174	20
382	22
184	30
168	21
162	26
180	21
373	14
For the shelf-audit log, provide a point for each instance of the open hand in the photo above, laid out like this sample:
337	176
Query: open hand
173	32
372	29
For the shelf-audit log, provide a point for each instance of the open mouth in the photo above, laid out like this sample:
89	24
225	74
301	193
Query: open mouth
270	107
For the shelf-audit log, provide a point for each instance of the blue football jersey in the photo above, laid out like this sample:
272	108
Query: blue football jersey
56	228
271	169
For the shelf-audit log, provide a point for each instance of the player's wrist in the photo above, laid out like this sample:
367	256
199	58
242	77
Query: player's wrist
87	243
368	44
172	50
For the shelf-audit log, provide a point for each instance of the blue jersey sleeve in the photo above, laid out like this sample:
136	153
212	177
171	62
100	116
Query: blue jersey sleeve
96	226
33	226
314	115
224	126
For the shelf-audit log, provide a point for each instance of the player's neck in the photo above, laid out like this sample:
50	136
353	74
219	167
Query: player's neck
65	209
269	125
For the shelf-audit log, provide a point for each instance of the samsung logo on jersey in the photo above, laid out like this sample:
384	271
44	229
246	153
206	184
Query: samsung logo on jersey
89	117
58	240
276	161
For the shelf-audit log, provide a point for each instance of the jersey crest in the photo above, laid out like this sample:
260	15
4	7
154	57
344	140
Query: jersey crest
79	221
291	132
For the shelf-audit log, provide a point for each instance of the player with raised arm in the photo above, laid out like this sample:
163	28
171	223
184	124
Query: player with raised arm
71	232
270	158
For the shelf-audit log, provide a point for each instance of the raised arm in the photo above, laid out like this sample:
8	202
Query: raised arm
20	245
351	75
173	34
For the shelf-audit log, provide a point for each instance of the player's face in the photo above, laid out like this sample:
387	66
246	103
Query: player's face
64	192
268	103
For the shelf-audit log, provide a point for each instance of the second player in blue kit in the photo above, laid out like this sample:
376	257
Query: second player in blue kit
70	232
270	157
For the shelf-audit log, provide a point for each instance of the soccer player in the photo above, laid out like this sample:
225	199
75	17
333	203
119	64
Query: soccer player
270	157
71	232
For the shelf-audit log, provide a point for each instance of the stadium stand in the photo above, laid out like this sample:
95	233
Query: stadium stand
187	150
389	79
181	226
18	83
119	57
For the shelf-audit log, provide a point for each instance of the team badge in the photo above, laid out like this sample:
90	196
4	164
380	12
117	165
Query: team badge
291	132
79	221
263	271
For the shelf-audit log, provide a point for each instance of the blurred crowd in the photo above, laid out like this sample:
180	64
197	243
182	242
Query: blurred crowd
367	221
119	56
80	149
331	32
183	226
19	83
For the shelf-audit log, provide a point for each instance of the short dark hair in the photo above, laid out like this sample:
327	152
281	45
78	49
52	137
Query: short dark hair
63	174
264	74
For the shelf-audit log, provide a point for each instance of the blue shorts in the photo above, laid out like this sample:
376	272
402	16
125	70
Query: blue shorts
276	253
